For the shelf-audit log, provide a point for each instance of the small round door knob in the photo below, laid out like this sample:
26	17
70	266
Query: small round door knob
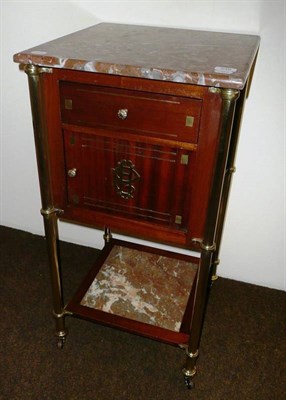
72	172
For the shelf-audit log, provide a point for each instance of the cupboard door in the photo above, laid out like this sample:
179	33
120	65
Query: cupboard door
126	178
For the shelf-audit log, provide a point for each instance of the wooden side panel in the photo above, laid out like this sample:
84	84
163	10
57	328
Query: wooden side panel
206	157
52	117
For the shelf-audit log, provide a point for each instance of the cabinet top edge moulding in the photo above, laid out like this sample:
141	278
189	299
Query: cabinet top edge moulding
177	55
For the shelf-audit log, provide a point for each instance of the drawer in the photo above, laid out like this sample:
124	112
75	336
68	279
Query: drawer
149	114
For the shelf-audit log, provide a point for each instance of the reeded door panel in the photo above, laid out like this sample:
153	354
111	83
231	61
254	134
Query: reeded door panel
127	178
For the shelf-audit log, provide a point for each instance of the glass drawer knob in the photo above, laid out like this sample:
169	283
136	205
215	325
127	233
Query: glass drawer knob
72	172
122	113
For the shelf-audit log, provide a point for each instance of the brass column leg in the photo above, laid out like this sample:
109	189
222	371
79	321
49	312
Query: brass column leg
207	244
230	170
51	233
49	212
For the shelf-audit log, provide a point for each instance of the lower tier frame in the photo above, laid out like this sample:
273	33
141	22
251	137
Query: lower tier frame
141	290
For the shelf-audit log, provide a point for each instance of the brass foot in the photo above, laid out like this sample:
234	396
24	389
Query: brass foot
61	338
61	331
190	369
214	270
107	236
214	277
188	375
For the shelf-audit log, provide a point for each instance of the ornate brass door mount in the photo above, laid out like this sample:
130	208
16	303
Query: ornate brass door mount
124	175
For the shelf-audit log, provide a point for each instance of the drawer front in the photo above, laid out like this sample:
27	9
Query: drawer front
141	113
134	180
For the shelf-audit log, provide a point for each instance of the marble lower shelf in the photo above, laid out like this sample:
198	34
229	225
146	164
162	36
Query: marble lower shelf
139	289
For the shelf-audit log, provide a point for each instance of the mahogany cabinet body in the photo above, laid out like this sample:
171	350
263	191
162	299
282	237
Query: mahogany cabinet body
173	163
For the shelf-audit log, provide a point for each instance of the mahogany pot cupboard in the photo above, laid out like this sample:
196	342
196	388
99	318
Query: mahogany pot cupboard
136	130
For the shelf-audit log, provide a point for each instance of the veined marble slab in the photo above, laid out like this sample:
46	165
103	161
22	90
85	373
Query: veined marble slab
142	286
176	55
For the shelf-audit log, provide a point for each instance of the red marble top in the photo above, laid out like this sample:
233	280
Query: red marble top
177	55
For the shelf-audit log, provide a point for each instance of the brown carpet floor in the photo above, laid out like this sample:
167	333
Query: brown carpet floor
243	348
